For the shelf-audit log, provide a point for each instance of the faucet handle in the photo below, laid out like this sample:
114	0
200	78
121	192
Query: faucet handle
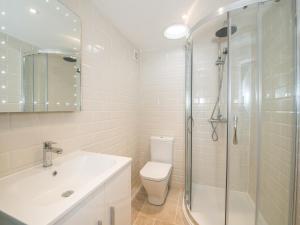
48	144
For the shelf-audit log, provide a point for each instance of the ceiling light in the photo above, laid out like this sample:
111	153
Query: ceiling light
3	13
67	14
3	86
3	71
57	8
3	101
221	11
47	1
3	57
74	29
3	27
75	21
185	17
176	31
3	42
33	11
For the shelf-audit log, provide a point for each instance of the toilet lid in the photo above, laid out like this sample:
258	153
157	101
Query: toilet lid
156	171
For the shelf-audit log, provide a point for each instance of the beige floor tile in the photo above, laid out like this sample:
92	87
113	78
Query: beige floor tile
175	193
158	222
166	212
142	220
179	219
170	213
137	204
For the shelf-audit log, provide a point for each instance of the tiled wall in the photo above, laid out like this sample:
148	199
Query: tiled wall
162	92
278	115
109	118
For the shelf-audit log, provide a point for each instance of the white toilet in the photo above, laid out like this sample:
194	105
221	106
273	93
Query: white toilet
156	173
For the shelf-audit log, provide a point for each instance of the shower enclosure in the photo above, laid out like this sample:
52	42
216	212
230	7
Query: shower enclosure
241	115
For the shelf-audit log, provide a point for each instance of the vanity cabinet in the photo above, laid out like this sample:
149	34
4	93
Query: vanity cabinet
110	204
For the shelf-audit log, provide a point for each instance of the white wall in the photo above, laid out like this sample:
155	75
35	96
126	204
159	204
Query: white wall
162	93
109	118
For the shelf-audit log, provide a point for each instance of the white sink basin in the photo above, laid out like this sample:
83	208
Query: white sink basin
34	196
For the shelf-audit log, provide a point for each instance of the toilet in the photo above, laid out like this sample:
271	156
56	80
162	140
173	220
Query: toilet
156	173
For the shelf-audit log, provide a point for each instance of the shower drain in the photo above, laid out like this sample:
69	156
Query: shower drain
67	194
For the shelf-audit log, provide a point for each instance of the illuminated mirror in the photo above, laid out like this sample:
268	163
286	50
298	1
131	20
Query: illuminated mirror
40	61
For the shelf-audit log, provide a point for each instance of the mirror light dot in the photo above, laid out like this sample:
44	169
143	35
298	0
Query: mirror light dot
3	27
3	101
3	42
57	8
3	13
3	71
3	86
57	103
33	11
3	57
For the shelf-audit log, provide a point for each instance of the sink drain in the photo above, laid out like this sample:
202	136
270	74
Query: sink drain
67	194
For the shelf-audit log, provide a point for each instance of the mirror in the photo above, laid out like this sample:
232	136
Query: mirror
40	62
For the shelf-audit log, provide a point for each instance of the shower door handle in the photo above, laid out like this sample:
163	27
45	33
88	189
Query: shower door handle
190	124
235	122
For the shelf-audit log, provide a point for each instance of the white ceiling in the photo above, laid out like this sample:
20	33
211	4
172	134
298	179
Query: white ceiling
143	21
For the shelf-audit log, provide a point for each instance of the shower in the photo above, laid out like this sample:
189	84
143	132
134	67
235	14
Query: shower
216	115
241	115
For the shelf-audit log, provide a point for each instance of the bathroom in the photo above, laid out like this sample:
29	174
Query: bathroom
139	112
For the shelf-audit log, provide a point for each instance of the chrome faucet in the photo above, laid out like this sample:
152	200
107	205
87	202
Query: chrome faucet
47	152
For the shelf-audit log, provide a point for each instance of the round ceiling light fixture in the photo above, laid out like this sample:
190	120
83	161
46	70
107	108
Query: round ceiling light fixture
176	31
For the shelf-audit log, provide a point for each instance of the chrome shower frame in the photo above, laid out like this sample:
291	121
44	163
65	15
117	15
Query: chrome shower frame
189	117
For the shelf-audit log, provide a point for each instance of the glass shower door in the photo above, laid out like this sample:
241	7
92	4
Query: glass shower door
209	131
242	117
262	115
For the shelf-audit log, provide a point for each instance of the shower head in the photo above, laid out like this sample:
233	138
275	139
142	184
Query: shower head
223	32
70	59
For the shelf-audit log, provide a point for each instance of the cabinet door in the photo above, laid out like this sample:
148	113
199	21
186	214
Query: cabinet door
118	198
90	212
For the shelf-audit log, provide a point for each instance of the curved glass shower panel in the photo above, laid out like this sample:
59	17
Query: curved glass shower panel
209	112
242	147
241	158
278	113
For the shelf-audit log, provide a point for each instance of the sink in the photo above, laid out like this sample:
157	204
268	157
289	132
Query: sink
40	195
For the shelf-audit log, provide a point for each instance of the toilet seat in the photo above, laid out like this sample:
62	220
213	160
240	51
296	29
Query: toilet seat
156	171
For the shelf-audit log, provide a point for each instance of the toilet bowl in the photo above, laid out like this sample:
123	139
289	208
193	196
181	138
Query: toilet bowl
155	179
155	175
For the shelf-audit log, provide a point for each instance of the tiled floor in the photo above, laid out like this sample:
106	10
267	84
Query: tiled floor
170	213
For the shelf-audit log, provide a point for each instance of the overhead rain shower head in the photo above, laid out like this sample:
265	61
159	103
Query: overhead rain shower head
223	32
70	59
